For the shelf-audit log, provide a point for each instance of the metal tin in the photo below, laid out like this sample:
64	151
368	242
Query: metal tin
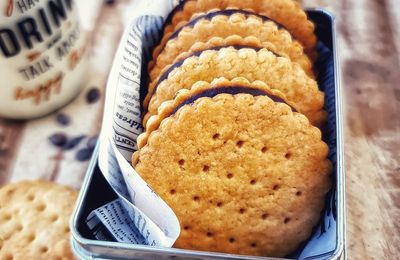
96	192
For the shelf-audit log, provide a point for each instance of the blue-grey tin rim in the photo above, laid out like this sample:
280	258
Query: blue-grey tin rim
82	246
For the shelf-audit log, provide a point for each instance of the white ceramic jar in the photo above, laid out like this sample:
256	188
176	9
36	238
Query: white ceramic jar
42	56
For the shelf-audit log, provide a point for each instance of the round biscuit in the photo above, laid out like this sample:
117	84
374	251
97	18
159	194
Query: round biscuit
34	220
219	84
289	13
243	174
277	72
241	24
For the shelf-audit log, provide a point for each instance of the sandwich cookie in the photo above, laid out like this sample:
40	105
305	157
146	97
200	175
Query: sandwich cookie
224	24
243	172
238	61
289	13
202	88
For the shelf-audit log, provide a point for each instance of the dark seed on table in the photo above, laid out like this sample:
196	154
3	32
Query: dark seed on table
84	154
63	119
72	143
58	139
93	95
91	144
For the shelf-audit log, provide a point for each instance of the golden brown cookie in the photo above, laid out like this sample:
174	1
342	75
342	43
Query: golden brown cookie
225	24
34	220
243	173
289	13
277	72
220	85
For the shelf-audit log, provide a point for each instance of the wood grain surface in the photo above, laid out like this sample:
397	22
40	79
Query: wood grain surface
369	46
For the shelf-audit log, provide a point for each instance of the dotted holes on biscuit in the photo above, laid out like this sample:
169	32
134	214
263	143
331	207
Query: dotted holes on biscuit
186	227
6	217
264	216
298	193
232	240
210	234
10	192
276	187
30	197
219	204
206	168
254	244
181	162
288	155
66	229
19	227
172	191
30	238
196	198
229	175
242	210
264	149
44	249
286	220
240	144
253	182
41	207
53	218
216	136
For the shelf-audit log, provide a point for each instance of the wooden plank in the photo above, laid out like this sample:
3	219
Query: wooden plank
10	135
369	54
373	127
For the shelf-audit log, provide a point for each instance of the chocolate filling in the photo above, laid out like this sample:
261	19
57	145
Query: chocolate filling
232	90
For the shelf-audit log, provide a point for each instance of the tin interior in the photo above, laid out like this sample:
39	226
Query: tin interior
96	192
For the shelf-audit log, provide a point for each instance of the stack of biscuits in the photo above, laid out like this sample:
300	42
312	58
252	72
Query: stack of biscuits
231	139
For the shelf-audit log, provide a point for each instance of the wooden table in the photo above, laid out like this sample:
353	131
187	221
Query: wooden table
369	38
